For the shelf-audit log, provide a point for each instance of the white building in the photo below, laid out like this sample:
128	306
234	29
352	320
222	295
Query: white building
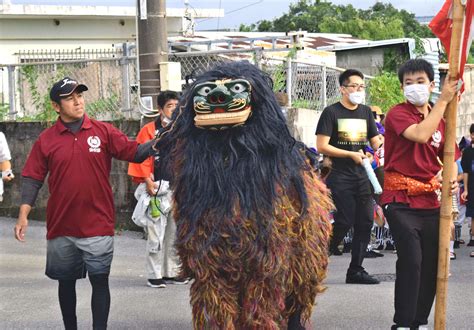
32	33
44	27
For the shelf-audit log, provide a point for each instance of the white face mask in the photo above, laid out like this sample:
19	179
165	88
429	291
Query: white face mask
165	121
417	94
357	97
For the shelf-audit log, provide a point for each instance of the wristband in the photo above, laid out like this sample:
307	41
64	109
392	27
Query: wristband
7	173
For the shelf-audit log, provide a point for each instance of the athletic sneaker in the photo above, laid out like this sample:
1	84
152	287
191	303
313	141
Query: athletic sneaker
156	283
380	247
175	280
372	254
390	246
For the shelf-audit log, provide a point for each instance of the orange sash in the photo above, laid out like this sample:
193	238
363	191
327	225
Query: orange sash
397	181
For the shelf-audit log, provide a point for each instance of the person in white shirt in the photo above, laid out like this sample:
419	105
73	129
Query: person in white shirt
5	164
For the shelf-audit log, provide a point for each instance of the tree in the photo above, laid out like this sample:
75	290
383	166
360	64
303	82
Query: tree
364	29
385	91
381	21
387	12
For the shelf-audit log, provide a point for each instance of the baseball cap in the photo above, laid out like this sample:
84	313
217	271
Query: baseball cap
376	109
65	87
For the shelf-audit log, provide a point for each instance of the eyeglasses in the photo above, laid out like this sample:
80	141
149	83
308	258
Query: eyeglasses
355	86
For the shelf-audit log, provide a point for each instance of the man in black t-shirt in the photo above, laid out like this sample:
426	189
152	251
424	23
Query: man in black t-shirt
343	131
467	164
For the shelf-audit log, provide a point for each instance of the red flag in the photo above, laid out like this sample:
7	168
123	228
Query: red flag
442	23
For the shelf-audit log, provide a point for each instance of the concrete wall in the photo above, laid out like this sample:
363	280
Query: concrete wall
302	123
43	34
21	136
369	61
466	106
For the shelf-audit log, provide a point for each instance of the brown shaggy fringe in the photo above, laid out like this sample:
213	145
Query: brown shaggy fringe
241	285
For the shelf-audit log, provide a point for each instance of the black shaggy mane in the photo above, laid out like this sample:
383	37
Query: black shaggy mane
235	172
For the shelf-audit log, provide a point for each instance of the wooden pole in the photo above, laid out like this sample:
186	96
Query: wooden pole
152	45
448	169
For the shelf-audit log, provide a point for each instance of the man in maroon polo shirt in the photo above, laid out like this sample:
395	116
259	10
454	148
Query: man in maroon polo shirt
414	139
77	152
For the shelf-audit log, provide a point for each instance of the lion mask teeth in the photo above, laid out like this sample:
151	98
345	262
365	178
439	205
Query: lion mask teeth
227	118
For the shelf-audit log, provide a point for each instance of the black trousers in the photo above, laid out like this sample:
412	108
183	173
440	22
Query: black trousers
415	232
354	208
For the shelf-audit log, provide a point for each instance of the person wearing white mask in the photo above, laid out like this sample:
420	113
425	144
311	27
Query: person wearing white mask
343	130
414	139
162	263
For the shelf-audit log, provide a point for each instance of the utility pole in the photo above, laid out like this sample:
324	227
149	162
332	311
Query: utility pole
152	45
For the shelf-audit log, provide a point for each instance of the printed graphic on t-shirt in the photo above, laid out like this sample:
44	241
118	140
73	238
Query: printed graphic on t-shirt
352	131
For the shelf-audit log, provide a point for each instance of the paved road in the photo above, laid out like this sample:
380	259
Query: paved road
28	299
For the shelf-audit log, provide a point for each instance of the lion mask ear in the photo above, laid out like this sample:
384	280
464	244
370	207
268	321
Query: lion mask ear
222	104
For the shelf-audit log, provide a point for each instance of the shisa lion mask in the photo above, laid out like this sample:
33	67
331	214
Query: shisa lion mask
222	104
252	217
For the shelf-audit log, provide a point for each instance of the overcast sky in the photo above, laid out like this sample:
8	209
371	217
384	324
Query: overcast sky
250	11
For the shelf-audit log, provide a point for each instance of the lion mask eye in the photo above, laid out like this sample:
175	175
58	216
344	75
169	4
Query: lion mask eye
204	91
238	88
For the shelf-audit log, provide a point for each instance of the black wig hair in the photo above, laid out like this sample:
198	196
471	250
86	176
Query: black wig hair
235	172
471	129
416	65
344	77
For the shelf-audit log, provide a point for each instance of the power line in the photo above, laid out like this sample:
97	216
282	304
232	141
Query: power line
232	11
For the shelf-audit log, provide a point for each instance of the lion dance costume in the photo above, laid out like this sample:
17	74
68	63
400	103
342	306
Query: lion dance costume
252	216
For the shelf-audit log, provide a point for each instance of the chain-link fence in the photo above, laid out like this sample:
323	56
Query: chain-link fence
195	63
52	55
312	86
113	85
307	85
111	82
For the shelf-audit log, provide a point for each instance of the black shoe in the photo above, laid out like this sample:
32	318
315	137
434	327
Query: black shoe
156	283
372	254
456	244
380	247
347	248
471	243
335	251
175	280
389	246
361	277
377	253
